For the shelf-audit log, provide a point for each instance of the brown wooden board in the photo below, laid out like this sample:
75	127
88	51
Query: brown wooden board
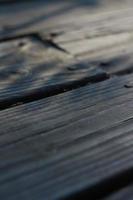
65	144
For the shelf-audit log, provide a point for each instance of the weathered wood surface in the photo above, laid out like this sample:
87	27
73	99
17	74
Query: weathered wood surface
33	67
72	143
52	15
30	67
64	144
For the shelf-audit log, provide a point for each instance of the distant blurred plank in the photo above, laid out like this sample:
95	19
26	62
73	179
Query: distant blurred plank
61	15
110	52
97	44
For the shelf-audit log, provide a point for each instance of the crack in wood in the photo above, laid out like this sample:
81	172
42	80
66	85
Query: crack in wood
51	91
58	88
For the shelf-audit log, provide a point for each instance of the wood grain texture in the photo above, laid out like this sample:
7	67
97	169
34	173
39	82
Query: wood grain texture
78	142
61	14
111	52
57	146
104	40
29	67
97	45
32	68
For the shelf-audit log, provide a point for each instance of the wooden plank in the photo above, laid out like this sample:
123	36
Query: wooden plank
103	24
95	44
47	70
104	40
64	144
62	15
31	67
91	46
99	93
111	52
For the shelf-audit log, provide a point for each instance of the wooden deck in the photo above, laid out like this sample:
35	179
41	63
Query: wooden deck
66	100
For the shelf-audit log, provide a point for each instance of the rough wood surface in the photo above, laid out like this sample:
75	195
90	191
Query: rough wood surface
60	14
77	143
29	67
61	145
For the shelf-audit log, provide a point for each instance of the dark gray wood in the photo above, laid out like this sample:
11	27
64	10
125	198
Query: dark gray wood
85	50
80	140
29	67
32	67
60	145
109	51
61	15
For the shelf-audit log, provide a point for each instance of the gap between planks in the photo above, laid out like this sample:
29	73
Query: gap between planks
60	145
